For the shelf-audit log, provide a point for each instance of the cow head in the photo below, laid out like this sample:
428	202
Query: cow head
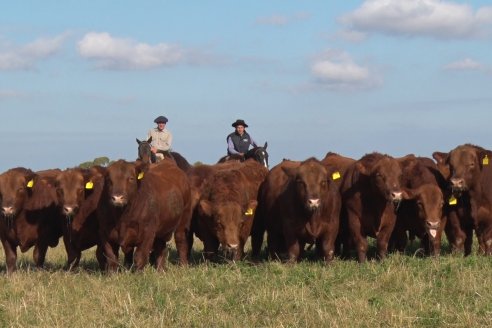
385	173
122	181
15	187
227	219
465	164
311	180
429	201
74	186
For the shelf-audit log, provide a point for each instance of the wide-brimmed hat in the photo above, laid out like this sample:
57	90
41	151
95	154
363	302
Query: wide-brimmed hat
240	122
161	119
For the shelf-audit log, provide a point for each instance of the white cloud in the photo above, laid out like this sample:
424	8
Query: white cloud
111	52
431	18
464	64
281	20
337	70
23	57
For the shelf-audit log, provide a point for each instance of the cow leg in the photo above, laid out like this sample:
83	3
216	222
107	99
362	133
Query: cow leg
454	232
182	242
128	261
257	233
39	254
142	252
101	258
160	252
327	247
293	247
10	256
111	257
468	240
273	244
359	239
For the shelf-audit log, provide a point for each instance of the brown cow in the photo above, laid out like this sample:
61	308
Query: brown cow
298	204
226	208
122	180
161	207
422	213
28	214
470	177
371	192
77	195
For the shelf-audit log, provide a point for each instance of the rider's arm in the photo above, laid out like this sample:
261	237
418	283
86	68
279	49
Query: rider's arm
230	147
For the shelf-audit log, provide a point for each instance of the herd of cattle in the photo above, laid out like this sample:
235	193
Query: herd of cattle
333	204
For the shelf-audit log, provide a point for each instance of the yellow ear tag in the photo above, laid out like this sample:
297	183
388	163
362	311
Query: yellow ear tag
336	175
485	160
249	211
30	184
140	176
89	185
453	200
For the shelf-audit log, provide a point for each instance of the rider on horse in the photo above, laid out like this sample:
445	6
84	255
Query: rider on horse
161	140
239	141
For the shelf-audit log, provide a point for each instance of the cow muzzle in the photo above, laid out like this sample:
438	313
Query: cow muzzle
118	200
8	211
70	211
458	185
432	228
313	204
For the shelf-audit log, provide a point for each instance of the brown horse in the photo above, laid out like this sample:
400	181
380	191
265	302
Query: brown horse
145	155
258	153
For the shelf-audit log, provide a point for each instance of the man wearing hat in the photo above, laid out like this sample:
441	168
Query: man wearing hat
161	139
239	141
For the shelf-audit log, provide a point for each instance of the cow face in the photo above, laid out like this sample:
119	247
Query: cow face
311	183
385	175
122	180
72	188
15	187
227	220
429	201
465	165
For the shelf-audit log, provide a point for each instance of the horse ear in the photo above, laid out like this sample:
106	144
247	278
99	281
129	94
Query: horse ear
138	141
266	144
149	140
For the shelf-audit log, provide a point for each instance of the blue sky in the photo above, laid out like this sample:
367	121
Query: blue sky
83	79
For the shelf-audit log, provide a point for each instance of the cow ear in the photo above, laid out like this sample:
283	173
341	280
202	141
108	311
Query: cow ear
440	157
409	193
291	172
483	158
43	193
362	169
205	207
251	207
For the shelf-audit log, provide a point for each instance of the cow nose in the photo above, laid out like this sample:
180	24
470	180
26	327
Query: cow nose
69	210
433	225
8	210
458	182
396	195
118	199
313	203
232	246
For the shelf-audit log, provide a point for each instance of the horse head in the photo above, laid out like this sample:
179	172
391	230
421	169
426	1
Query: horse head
259	154
144	152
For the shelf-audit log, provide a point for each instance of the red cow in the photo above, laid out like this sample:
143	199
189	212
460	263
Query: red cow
298	204
122	180
371	192
470	179
77	195
227	207
161	207
28	214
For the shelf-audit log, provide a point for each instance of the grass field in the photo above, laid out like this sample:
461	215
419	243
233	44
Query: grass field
402	291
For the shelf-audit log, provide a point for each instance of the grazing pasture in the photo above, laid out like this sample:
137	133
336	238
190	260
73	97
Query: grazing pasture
404	290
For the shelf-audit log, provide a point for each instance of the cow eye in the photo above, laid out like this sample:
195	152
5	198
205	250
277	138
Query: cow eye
323	183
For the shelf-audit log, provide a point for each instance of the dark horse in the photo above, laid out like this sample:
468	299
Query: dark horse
145	155
259	154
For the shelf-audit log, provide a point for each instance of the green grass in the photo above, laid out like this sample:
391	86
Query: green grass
402	291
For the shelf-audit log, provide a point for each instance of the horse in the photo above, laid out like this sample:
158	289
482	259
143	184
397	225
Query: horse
259	154
145	155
